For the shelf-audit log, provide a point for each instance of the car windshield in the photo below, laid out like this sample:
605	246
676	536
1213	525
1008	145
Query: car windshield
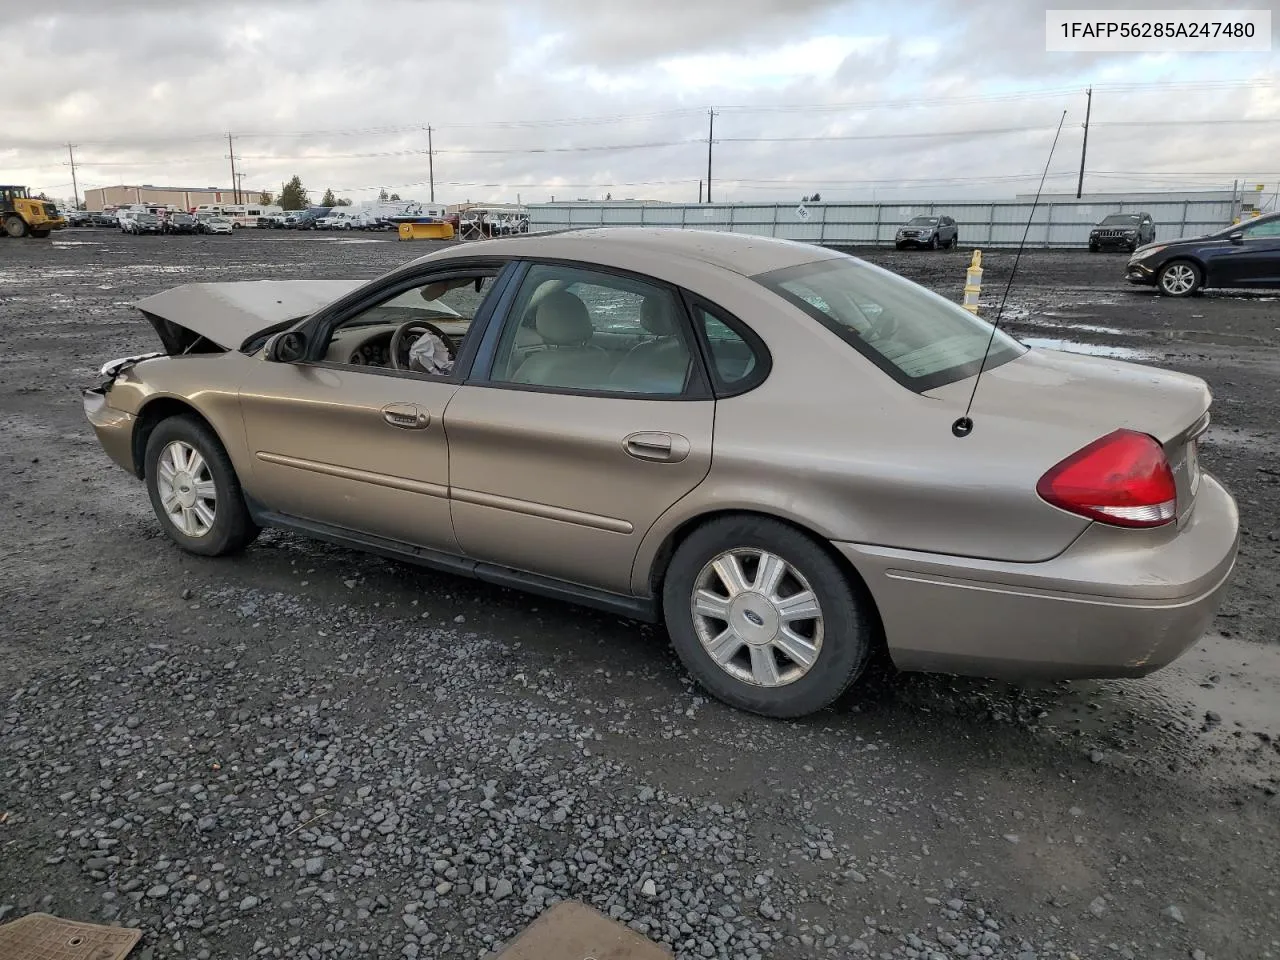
921	339
1121	219
922	221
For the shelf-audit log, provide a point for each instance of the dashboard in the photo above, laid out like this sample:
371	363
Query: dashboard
370	344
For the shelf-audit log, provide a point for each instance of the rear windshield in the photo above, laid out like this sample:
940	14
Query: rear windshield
916	336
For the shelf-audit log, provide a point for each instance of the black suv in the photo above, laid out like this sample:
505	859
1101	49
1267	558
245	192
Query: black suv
1126	231
930	232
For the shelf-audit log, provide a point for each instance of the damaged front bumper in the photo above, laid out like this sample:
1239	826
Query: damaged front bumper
1140	273
113	427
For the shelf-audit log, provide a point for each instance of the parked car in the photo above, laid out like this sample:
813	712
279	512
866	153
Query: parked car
213	225
306	219
271	221
101	218
930	232
1127	231
78	218
181	223
748	439
1240	255
140	223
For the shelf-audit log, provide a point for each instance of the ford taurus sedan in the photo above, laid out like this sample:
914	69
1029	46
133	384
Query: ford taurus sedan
749	440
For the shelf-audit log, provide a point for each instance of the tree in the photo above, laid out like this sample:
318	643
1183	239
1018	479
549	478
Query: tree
328	200
293	195
382	194
342	202
266	198
395	196
817	197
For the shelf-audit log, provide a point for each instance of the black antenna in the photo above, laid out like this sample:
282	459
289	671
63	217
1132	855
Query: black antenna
964	425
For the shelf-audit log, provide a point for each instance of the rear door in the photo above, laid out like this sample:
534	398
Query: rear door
588	416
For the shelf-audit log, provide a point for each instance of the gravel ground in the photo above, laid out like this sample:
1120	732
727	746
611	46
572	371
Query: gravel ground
306	752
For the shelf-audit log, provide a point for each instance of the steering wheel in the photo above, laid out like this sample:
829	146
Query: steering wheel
400	341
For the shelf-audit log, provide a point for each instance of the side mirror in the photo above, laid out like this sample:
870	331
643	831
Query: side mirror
1237	237
287	347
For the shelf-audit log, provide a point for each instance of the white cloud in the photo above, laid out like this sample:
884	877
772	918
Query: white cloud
340	92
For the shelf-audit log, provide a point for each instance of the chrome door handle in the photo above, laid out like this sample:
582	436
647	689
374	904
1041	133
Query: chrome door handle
664	447
406	416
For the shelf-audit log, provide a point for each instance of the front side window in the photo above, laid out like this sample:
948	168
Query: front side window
419	330
919	338
1257	231
576	329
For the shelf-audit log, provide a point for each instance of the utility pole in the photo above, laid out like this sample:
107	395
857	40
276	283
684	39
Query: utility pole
699	191
430	161
240	188
711	129
1084	147
75	189
235	189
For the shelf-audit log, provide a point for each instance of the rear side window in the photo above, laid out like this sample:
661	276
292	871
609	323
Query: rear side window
737	358
919	338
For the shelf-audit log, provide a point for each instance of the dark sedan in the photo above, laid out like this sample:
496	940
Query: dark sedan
181	223
1241	255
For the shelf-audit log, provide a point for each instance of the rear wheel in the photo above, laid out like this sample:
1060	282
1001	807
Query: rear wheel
763	618
41	234
1179	278
194	489
15	226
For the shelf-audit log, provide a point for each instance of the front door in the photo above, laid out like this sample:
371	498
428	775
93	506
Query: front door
355	437
588	417
1255	261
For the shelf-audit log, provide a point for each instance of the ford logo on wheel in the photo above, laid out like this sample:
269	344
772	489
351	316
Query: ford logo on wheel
753	617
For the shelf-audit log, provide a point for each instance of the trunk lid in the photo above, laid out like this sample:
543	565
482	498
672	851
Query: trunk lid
1058	402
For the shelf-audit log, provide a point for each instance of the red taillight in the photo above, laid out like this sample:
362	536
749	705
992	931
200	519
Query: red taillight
1122	479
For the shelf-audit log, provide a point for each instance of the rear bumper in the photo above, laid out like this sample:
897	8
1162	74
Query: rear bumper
113	427
1114	604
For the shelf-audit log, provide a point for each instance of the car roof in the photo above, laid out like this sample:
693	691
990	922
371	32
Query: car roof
741	253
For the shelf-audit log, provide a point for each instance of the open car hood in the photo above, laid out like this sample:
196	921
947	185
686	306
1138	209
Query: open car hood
228	314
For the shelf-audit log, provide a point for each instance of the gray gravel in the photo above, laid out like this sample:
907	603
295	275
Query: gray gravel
309	753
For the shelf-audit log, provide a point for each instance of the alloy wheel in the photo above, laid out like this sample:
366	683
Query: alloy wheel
187	490
757	617
1178	279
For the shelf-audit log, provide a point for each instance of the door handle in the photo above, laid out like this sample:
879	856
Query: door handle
406	416
663	447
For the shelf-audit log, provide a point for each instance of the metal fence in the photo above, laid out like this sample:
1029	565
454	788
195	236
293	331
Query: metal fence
872	224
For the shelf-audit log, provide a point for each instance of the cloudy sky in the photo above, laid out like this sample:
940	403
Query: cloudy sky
583	98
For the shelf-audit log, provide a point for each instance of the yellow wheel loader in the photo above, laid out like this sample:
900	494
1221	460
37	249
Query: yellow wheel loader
22	215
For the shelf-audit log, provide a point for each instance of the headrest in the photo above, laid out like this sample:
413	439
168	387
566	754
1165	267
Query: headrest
655	316
562	320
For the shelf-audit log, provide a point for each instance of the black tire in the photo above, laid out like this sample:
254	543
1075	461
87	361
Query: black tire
899	246
933	242
232	529
39	234
1165	278
847	641
1093	248
15	226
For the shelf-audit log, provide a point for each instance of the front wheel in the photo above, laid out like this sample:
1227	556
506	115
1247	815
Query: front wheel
764	618
194	489
933	242
15	226
1180	278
